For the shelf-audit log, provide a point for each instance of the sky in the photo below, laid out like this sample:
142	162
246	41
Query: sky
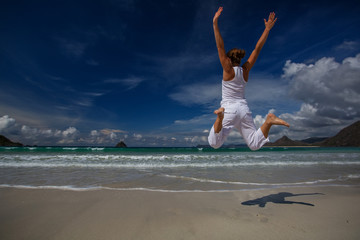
146	72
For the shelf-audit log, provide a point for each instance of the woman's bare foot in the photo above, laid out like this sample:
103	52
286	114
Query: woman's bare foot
220	112
274	120
271	119
218	122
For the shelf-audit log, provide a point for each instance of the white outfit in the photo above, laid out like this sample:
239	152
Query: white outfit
237	114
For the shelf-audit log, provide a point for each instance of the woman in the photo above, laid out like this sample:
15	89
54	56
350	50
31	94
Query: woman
234	111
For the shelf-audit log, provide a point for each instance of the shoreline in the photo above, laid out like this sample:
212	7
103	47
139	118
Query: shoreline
295	146
160	190
288	213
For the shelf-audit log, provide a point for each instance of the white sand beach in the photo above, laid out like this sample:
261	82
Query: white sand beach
109	214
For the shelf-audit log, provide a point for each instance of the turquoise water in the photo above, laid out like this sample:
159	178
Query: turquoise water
177	169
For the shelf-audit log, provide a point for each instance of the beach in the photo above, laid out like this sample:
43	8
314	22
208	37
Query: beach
109	214
179	193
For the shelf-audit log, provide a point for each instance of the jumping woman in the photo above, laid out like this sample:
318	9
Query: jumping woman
234	111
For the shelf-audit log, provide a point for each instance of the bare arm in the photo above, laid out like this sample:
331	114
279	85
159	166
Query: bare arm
254	55
228	71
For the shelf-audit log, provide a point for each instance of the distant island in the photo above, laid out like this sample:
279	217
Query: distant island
121	144
5	142
347	137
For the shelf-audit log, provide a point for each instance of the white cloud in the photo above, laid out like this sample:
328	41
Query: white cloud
108	131
137	136
6	122
332	89
48	136
29	132
234	135
330	96
69	136
71	131
198	139
113	136
94	133
130	82
348	45
105	136
290	69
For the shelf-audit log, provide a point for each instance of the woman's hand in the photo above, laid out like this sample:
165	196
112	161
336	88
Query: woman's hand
217	14
270	22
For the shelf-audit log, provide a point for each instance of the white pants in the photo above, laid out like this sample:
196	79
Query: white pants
238	115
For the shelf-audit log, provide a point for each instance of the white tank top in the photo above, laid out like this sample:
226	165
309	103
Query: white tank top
234	90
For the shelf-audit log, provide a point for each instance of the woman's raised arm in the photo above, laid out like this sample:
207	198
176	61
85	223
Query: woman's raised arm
254	55
224	60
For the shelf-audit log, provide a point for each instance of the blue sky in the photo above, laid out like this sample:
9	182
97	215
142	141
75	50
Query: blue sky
147	72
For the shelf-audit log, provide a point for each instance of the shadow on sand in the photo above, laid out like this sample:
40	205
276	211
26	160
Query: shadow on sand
278	198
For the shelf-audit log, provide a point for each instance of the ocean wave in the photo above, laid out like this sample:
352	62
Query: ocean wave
109	163
205	180
97	149
159	165
99	159
97	188
353	176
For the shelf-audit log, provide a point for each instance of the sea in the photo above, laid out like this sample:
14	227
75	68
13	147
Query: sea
177	169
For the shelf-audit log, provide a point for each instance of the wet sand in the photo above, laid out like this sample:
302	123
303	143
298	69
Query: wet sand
285	213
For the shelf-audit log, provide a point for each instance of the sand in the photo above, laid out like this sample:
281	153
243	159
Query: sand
106	214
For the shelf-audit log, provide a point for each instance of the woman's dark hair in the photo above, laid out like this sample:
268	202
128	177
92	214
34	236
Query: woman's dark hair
236	55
